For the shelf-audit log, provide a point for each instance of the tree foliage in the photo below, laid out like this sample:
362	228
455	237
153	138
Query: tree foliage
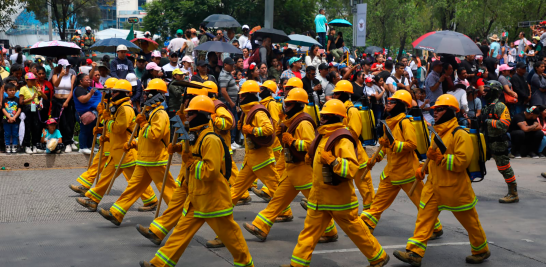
8	9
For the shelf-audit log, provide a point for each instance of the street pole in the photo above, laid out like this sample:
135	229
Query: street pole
50	27
268	22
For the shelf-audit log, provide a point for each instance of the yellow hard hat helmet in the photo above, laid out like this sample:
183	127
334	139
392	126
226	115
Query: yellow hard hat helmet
157	84
344	86
271	85
403	96
195	91
110	82
297	95
201	103
334	106
123	86
211	87
250	86
447	100
295	82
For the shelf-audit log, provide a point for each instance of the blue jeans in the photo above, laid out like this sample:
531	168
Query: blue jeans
11	132
86	134
322	39
234	131
542	145
515	109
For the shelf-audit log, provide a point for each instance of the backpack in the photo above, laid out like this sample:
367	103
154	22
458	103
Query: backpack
416	151
227	156
259	141
218	104
482	158
298	156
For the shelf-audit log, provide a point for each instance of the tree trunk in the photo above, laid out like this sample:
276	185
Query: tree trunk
402	45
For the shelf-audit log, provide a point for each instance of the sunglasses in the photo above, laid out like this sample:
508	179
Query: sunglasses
174	56
440	109
219	33
337	93
392	101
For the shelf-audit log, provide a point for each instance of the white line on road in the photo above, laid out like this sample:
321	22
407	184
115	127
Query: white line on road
388	247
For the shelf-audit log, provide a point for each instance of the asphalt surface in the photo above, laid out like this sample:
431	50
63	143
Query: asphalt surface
42	225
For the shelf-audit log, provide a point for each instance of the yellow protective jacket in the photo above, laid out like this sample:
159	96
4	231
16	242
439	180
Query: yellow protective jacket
119	130
297	172
402	161
222	125
341	196
263	156
208	189
354	123
275	112
448	179
154	138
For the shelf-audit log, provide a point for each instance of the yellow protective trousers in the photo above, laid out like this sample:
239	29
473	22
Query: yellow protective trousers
386	193
286	192
163	224
243	181
280	166
141	179
365	187
425	223
225	227
88	177
97	193
317	221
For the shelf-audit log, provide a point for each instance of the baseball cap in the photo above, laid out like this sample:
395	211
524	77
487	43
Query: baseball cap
369	79
156	54
332	64
51	121
245	27
179	32
504	67
89	61
436	63
106	58
141	58
187	59
173	54
131	78
479	56
121	48
341	66
293	60
63	62
366	62
163	50
323	66
228	61
152	66
38	60
30	76
521	65
201	63
179	71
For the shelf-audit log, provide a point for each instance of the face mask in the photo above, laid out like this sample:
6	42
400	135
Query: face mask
450	114
398	108
297	107
250	97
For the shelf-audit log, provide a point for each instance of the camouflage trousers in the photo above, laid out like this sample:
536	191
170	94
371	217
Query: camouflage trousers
499	152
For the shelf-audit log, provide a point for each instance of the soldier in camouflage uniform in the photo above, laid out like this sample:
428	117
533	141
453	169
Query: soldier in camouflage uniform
77	38
495	122
88	39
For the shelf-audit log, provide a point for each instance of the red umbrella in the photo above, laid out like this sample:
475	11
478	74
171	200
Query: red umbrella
147	45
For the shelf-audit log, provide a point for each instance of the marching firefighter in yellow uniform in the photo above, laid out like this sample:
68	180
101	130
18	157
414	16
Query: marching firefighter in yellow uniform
332	193
298	133
119	122
343	92
152	154
448	187
162	225
401	165
208	197
87	178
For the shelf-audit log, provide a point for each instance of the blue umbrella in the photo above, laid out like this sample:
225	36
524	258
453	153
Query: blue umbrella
340	23
217	46
298	39
110	45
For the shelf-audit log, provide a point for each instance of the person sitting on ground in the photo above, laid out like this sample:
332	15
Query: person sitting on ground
52	138
526	131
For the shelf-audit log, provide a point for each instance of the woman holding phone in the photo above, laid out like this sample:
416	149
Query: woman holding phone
62	108
315	58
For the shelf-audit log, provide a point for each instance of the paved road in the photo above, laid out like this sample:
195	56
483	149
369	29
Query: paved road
42	225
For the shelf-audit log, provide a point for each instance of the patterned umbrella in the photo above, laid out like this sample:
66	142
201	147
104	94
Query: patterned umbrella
447	42
147	45
55	49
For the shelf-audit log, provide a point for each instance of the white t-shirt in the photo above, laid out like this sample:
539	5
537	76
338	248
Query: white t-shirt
176	44
85	69
426	114
102	80
244	42
370	91
391	80
168	68
460	95
13	58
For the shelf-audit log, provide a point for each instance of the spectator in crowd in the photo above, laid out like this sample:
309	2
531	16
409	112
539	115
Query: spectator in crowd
474	103
253	73
11	112
424	104
62	106
274	70
295	69
262	68
322	76
333	78
246	58
315	58
265	51
538	85
52	135
521	88
495	47
136	90
490	64
378	105
484	47
187	65
213	67
140	66
47	88
187	47
169	68
469	63
320	25
459	92
504	79
405	62
397	81
119	67
176	44
461	77
228	93
202	73
521	48
331	48
86	100
542	120
433	82
85	65
238	76
176	92
526	132
311	85
447	84
18	57
379	65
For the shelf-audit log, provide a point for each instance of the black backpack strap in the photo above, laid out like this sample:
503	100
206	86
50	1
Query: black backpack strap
227	156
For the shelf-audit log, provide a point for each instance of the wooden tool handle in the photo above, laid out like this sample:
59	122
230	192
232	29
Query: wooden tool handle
94	138
434	147
373	160
175	137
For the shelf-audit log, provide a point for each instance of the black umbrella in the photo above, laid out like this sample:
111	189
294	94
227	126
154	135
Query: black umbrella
370	50
217	46
447	42
221	21
109	45
277	36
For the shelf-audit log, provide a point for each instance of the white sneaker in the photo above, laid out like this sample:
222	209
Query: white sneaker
85	151
39	151
28	150
68	149
235	146
74	147
14	149
34	150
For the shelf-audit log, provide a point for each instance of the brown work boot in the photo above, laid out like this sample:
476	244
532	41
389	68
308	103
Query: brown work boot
145	231
261	194
255	231
244	201
150	207
146	264
286	265
479	258
80	189
543	174
284	218
381	263
436	235
108	215
216	243
303	203
512	196
408	257
328	239
88	203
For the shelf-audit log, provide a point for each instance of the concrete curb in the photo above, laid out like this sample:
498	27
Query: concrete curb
75	159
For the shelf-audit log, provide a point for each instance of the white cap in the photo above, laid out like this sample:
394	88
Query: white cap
187	59
246	26
121	48
156	54
78	32
131	78
63	62
147	33
87	28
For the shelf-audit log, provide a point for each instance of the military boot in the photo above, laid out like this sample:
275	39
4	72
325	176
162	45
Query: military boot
88	203
145	231
512	196
408	257
261	194
328	239
216	243
479	258
255	231
381	263
146	264
244	201
150	207
80	189
108	215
